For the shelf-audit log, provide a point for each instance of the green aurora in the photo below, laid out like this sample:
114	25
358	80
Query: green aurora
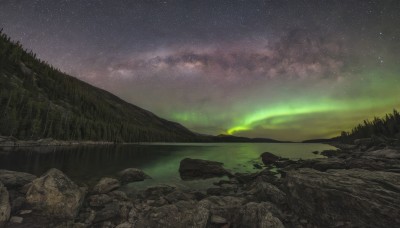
312	112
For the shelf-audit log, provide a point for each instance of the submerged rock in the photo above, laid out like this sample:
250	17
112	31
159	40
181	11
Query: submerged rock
354	198
5	208
269	158
190	169
54	194
13	179
106	185
132	175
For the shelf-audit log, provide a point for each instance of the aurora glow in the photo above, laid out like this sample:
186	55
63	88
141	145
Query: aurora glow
289	70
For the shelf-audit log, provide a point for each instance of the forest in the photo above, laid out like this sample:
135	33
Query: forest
39	101
388	126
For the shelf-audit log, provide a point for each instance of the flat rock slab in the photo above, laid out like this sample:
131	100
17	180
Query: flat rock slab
353	198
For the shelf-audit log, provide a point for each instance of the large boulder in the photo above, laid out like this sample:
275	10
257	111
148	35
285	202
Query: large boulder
106	185
269	158
351	198
190	169
54	194
132	175
5	208
13	179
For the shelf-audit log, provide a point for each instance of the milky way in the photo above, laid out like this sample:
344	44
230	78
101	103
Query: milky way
288	70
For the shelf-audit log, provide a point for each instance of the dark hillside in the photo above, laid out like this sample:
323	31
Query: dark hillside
39	101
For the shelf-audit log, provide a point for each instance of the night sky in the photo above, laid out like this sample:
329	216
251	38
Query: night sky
289	70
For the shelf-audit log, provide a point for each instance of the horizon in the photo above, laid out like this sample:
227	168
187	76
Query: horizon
259	70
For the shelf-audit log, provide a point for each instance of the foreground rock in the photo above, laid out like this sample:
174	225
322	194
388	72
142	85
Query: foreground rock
54	194
346	198
190	169
132	175
12	179
5	208
269	158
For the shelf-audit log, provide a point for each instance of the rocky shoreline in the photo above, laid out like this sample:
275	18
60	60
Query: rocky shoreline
356	186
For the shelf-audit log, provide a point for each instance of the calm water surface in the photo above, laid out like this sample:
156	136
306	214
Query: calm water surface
86	164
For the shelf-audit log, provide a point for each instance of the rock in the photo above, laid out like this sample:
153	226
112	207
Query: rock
16	219
54	194
320	164
331	153
269	158
190	169
109	212
384	153
125	225
155	192
106	185
12	179
281	163
24	212
223	206
264	191
176	196
99	200
5	208
358	198
254	215
17	204
332	163
132	175
218	220
181	214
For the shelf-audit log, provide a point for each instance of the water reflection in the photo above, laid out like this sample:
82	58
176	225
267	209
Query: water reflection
86	164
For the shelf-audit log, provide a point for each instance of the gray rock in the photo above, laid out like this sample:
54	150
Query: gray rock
218	220
5	208
358	198
224	206
125	225
384	153
106	185
132	175
12	179
16	219
155	192
179	215
269	158
331	153
190	169
99	200
109	212
264	191
54	194
255	215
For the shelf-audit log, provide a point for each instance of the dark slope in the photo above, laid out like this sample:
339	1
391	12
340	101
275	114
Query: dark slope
39	101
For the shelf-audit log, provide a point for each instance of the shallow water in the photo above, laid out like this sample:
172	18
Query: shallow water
86	164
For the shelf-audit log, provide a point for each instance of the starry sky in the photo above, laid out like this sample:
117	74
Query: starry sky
289	70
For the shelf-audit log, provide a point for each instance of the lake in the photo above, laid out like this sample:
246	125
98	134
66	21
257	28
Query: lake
86	164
